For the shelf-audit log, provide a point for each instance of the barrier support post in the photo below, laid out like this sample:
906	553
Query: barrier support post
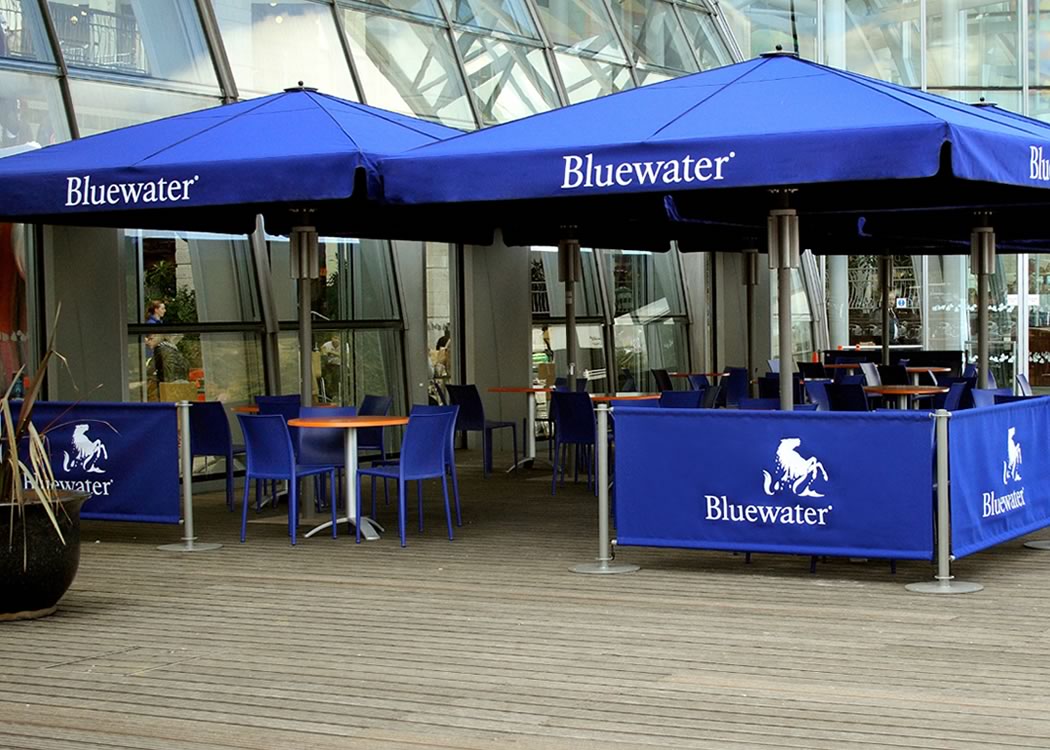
603	565
944	582
186	460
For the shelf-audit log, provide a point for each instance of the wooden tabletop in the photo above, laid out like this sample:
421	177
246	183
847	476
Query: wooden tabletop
624	396
249	409
705	374
347	422
511	389
905	390
918	368
842	366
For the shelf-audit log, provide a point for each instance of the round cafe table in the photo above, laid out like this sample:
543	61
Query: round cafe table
625	397
248	409
350	426
917	371
903	392
530	428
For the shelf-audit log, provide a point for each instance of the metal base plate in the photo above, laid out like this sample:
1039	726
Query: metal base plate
604	568
944	587
189	547
369	529
1038	544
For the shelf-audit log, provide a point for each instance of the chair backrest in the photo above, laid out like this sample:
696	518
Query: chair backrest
735	385
768	387
698	382
574	417
970	371
714	397
812	370
774	365
986	396
893	375
1023	385
209	429
991	380
454	411
871	373
471	410
286	407
954	399
851	380
372	406
323	446
1002	398
268	444
681	399
818	395
759	404
424	449
663	380
846	397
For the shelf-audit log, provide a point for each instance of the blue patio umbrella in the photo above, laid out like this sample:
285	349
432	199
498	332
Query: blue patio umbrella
297	158
744	150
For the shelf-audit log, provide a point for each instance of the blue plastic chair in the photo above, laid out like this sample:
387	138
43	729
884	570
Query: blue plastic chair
713	396
450	456
424	452
371	438
681	399
956	396
759	404
210	436
851	380
847	397
286	406
574	425
1009	399
698	382
472	419
270	456
662	379
1023	385
735	385
815	389
321	446
986	396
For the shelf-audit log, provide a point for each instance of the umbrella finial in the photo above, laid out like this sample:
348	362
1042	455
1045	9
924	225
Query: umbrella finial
300	87
982	102
779	51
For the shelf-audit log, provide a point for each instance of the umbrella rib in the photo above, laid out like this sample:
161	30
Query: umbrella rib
260	105
706	99
371	111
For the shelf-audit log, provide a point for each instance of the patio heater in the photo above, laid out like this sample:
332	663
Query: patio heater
570	268
885	278
784	255
305	267
982	263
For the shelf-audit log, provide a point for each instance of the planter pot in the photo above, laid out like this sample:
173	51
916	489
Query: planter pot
31	587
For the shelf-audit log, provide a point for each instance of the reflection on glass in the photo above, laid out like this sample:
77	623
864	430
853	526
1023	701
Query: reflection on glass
22	34
642	285
867	39
428	8
649	75
865	301
441	345
1039	322
357	281
760	25
510	81
581	26
642	347
550	353
701	32
1039	104
1002	321
16	252
347	366
586	78
273	45
105	106
548	292
31	110
199	278
974	44
509	16
223	367
653	32
158	40
801	318
408	67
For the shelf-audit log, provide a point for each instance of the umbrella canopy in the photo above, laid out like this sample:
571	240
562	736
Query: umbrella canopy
215	169
718	140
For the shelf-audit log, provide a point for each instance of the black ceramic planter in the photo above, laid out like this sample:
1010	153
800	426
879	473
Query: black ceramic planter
32	589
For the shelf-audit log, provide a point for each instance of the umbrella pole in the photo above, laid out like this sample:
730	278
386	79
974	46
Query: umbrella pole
784	256
569	269
305	267
982	262
886	274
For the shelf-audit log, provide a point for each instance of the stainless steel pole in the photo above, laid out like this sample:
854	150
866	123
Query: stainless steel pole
186	464
886	280
982	261
750	282
784	256
943	582
569	269
603	565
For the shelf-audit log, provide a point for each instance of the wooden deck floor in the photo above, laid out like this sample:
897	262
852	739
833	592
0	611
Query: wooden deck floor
490	642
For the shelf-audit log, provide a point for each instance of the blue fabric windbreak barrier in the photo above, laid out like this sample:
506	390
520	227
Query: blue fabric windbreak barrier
125	456
802	483
1000	473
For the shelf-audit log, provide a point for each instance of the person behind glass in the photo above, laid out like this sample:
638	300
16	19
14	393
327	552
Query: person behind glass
155	312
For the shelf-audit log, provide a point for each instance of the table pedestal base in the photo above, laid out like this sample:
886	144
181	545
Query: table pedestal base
368	527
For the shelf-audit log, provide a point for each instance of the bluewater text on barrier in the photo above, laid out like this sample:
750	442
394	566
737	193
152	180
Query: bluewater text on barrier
803	483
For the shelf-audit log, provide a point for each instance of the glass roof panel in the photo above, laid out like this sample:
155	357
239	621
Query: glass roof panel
22	33
509	80
653	31
588	78
508	16
582	26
